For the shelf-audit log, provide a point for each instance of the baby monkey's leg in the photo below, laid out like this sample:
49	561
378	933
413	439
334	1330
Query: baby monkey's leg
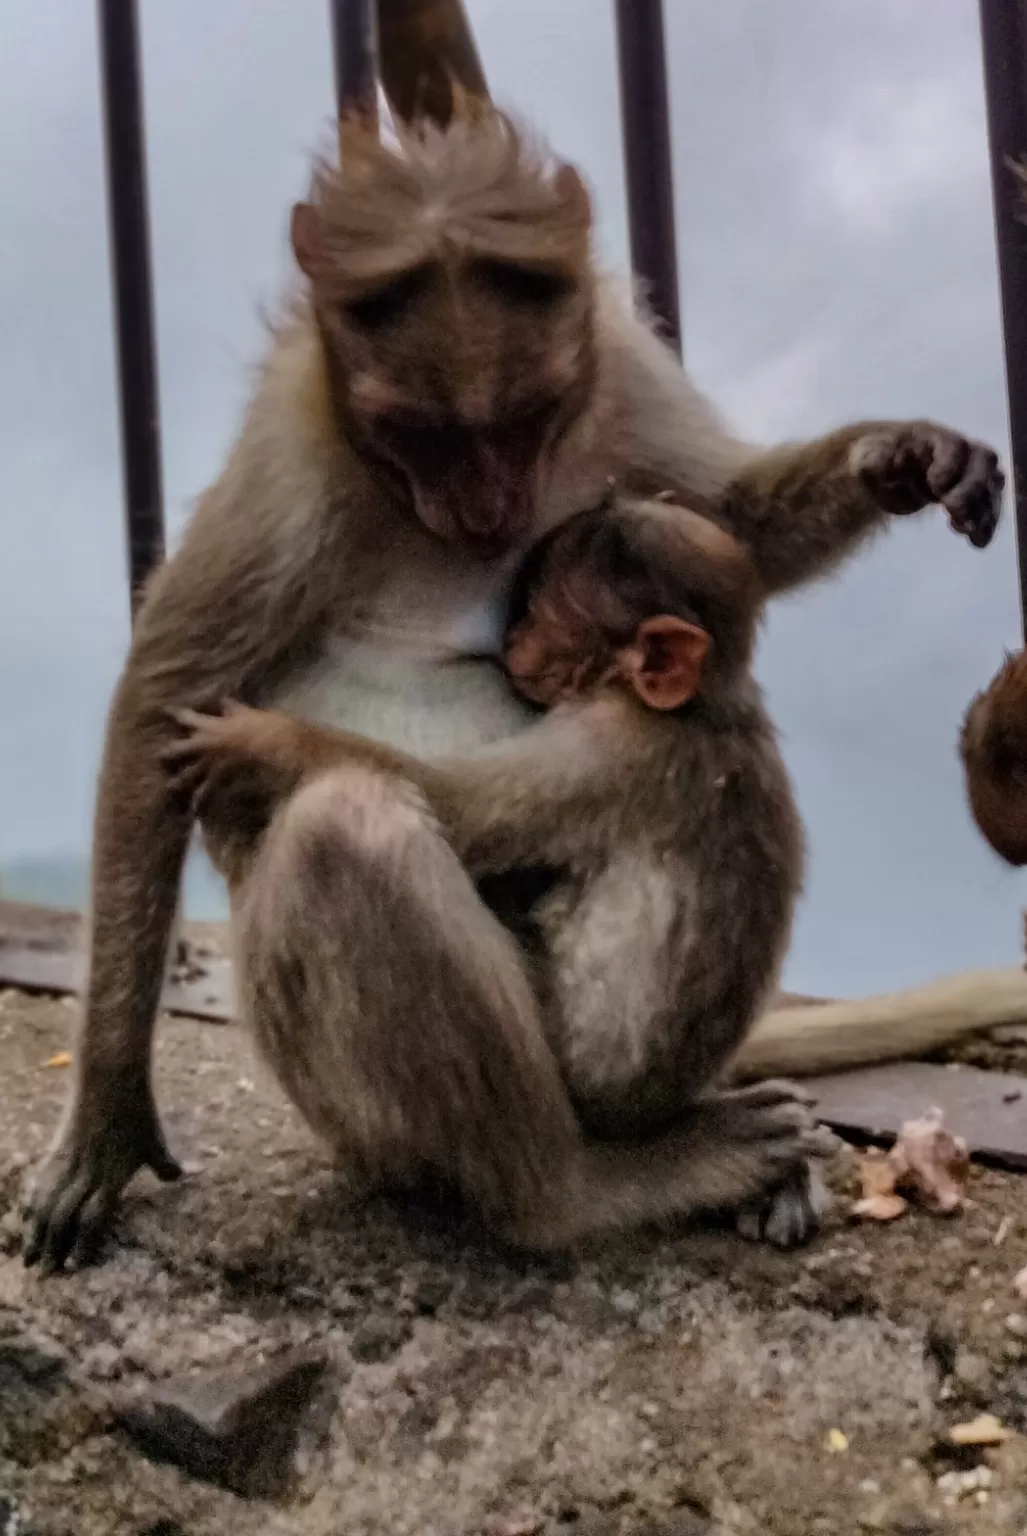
640	1058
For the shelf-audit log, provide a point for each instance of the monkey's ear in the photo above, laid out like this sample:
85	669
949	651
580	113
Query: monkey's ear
573	193
664	665
305	235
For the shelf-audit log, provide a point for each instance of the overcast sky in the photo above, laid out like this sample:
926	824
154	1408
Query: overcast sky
837	261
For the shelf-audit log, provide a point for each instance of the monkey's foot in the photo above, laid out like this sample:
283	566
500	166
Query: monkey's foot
909	465
792	1215
69	1207
791	1208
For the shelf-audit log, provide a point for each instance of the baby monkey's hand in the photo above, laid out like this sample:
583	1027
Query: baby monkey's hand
231	754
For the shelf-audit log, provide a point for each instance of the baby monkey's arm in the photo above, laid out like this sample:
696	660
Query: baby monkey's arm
498	808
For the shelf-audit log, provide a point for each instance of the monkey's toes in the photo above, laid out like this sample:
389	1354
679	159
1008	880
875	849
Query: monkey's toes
770	1093
68	1213
790	1215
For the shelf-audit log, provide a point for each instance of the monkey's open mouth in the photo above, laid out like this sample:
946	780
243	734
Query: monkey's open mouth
486	517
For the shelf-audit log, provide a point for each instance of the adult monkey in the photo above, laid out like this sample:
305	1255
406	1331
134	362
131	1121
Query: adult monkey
457	379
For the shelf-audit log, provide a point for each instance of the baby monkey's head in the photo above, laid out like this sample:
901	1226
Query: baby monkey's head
642	592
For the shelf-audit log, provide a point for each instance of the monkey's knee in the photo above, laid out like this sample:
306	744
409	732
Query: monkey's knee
350	808
394	1009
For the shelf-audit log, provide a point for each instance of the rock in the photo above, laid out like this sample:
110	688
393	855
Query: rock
12	1519
973	1373
28	1366
238	1430
34	1414
432	1293
379	1337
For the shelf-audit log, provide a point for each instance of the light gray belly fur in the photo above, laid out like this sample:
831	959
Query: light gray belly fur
421	705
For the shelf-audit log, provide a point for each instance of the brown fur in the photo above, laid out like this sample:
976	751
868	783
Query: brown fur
687	816
343	561
993	745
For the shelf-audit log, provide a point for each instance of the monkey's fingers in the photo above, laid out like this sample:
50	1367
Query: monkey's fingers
69	1219
191	719
974	505
911	465
188	778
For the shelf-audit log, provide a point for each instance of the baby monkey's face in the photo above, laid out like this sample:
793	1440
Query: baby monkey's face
552	656
555	654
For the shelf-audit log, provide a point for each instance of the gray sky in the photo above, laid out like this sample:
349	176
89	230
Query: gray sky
837	261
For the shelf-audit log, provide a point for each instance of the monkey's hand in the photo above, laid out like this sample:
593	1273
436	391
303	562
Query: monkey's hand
911	465
240	754
109	1136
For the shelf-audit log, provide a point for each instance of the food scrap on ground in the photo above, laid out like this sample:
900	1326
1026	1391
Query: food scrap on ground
985	1429
926	1164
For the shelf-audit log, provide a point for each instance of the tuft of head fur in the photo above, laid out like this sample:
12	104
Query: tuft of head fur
481	186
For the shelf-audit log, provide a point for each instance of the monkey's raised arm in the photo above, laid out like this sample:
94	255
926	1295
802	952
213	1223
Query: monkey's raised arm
801	508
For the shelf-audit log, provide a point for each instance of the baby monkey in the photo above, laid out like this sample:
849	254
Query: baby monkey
653	792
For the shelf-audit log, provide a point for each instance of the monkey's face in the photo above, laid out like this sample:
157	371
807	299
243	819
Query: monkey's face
453	284
463	377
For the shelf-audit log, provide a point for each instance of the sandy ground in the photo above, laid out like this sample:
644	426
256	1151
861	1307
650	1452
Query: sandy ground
672	1385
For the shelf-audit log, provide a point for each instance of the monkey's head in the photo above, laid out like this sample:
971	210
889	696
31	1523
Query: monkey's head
452	283
647	595
993	746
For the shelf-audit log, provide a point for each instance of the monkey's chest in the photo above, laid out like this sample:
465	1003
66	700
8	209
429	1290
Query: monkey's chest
419	704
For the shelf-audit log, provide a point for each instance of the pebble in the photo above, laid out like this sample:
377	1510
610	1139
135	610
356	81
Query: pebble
13	1521
379	1337
961	1485
626	1303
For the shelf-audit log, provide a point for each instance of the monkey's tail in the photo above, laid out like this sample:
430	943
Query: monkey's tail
800	1041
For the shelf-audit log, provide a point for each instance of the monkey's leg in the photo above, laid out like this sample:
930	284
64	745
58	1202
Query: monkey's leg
398	1016
748	1153
394	1009
637	1061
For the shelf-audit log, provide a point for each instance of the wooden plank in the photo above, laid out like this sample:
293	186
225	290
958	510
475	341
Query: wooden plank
988	1109
802	1042
203	991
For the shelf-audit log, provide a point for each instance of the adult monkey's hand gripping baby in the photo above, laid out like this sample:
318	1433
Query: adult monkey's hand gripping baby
457	379
653	790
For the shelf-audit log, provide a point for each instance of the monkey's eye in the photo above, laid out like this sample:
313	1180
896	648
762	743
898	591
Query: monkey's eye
382	305
526	286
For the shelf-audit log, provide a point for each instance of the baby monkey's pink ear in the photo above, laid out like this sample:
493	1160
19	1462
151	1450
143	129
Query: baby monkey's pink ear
664	663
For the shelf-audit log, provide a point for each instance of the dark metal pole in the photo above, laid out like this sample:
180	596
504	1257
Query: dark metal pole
1004	38
427	54
133	301
645	113
353	52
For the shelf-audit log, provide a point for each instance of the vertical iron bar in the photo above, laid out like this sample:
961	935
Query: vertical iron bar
353	53
133	297
645	114
1004	39
428	56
